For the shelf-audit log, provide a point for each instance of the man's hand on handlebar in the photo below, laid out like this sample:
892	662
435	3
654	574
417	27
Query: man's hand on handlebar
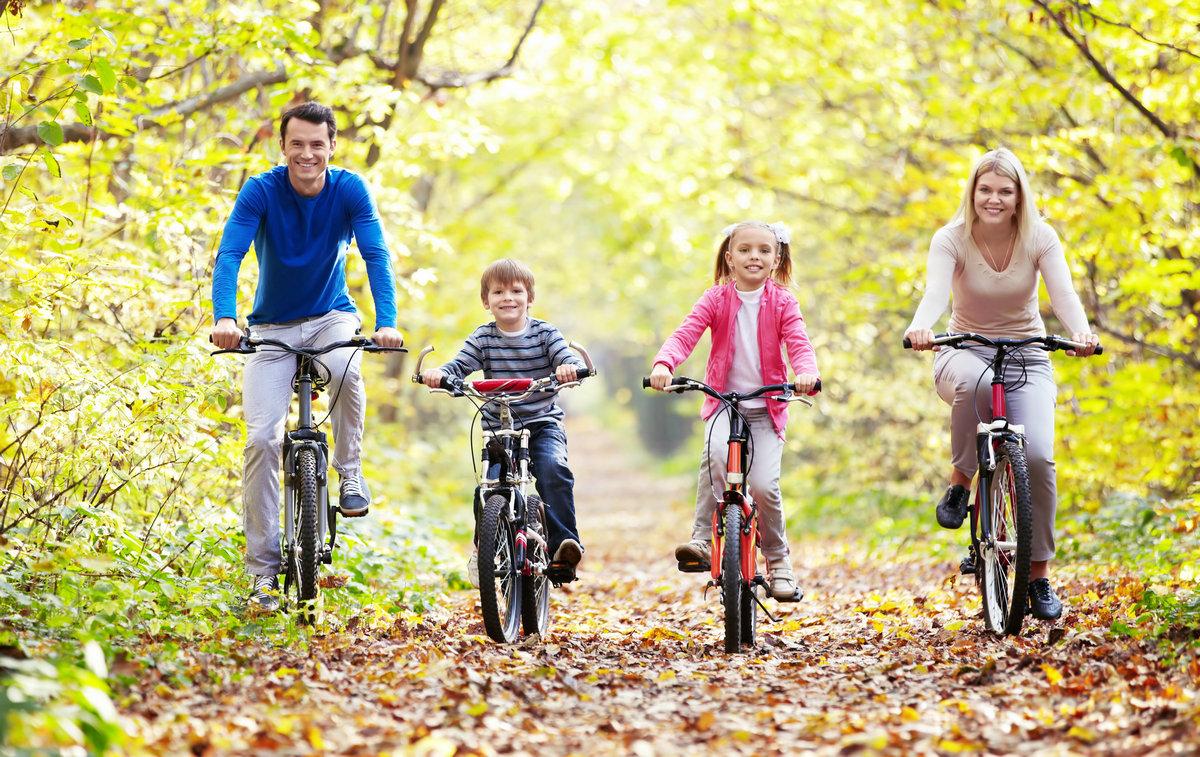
660	377
1084	337
389	337
922	339
226	335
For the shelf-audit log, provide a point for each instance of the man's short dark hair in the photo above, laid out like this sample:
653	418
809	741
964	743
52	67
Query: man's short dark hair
314	113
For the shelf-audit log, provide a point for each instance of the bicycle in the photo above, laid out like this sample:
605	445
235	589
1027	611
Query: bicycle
1002	518
515	570
736	574
309	520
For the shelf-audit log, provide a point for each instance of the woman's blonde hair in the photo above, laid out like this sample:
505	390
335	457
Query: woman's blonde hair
1026	219
783	270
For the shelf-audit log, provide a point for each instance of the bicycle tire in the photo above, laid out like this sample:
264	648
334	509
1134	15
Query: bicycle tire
308	548
749	617
731	577
535	589
1004	578
499	581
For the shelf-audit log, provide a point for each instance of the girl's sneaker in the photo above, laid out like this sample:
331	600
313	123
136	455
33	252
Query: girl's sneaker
694	556
783	581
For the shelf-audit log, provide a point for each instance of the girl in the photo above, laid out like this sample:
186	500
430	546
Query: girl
752	315
990	256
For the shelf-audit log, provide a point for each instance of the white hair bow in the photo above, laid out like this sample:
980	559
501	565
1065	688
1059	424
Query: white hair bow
782	235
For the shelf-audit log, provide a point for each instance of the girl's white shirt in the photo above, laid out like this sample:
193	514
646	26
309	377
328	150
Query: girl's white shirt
746	372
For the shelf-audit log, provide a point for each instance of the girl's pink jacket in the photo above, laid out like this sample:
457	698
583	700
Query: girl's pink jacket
779	324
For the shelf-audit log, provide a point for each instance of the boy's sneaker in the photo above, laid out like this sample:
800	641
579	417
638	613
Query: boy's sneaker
353	499
473	568
1044	604
694	556
782	580
952	509
264	597
569	553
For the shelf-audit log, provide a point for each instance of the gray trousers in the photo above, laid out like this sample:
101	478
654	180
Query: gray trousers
957	373
266	397
763	481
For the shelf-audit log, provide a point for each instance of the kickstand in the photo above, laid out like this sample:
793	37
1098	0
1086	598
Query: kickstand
762	607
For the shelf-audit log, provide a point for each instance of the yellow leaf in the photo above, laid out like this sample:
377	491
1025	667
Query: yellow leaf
666	675
315	739
954	625
659	633
910	714
1052	674
705	721
285	724
477	709
1082	734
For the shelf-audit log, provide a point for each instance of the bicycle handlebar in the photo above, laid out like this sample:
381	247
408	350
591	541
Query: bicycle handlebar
685	384
249	345
459	388
1049	343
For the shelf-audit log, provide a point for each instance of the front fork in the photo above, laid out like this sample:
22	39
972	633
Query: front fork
326	515
988	439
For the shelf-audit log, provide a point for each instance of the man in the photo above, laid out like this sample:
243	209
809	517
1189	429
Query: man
301	217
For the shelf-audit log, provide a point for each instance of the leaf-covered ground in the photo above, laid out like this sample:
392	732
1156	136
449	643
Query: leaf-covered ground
881	656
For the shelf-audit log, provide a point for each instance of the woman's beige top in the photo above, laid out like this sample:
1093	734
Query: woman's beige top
998	303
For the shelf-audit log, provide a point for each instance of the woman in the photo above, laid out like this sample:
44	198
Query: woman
989	256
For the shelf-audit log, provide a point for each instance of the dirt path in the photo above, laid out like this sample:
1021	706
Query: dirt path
877	658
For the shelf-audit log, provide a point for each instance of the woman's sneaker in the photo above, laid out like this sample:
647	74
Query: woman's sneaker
783	581
952	509
1044	604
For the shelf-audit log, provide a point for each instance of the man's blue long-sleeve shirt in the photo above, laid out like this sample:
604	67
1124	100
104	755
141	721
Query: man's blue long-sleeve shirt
301	246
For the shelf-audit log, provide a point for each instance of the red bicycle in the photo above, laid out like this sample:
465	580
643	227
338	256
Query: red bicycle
736	516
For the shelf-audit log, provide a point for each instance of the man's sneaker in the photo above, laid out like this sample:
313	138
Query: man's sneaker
265	595
952	509
353	501
695	554
1043	603
568	553
473	568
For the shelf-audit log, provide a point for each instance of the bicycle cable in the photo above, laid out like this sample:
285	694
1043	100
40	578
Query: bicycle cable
341	382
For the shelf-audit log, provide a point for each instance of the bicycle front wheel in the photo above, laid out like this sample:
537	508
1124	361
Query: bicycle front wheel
1004	580
307	547
731	577
535	589
499	576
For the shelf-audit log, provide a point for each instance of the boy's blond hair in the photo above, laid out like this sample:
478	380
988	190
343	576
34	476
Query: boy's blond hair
505	271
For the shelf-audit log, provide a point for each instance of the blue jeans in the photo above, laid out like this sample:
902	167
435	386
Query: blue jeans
555	482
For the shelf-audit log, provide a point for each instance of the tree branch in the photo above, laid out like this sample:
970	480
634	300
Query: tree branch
449	80
1166	129
798	197
1088	10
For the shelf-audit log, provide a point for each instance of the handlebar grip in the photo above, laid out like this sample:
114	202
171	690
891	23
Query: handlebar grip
582	373
907	343
645	382
817	388
1099	349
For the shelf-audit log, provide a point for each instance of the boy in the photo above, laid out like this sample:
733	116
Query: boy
517	346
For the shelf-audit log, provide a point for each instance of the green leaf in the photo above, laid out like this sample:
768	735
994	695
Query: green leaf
79	44
84	114
50	133
1181	157
51	164
11	172
108	77
91	84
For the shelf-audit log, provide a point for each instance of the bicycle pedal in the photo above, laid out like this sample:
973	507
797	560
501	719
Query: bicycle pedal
967	567
796	597
560	575
694	567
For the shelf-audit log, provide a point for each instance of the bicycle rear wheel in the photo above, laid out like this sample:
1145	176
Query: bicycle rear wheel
535	589
499	577
749	616
307	548
731	578
1004	578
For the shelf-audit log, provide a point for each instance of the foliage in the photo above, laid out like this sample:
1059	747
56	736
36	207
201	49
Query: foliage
605	144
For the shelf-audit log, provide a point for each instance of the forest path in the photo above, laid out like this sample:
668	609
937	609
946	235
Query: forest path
880	656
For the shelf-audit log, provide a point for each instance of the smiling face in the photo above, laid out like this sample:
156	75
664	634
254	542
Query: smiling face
751	257
508	302
307	149
996	200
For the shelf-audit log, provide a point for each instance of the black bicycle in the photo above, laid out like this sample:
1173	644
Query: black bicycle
515	571
734	563
309	520
1002	518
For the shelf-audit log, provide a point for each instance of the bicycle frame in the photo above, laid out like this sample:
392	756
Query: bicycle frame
737	496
